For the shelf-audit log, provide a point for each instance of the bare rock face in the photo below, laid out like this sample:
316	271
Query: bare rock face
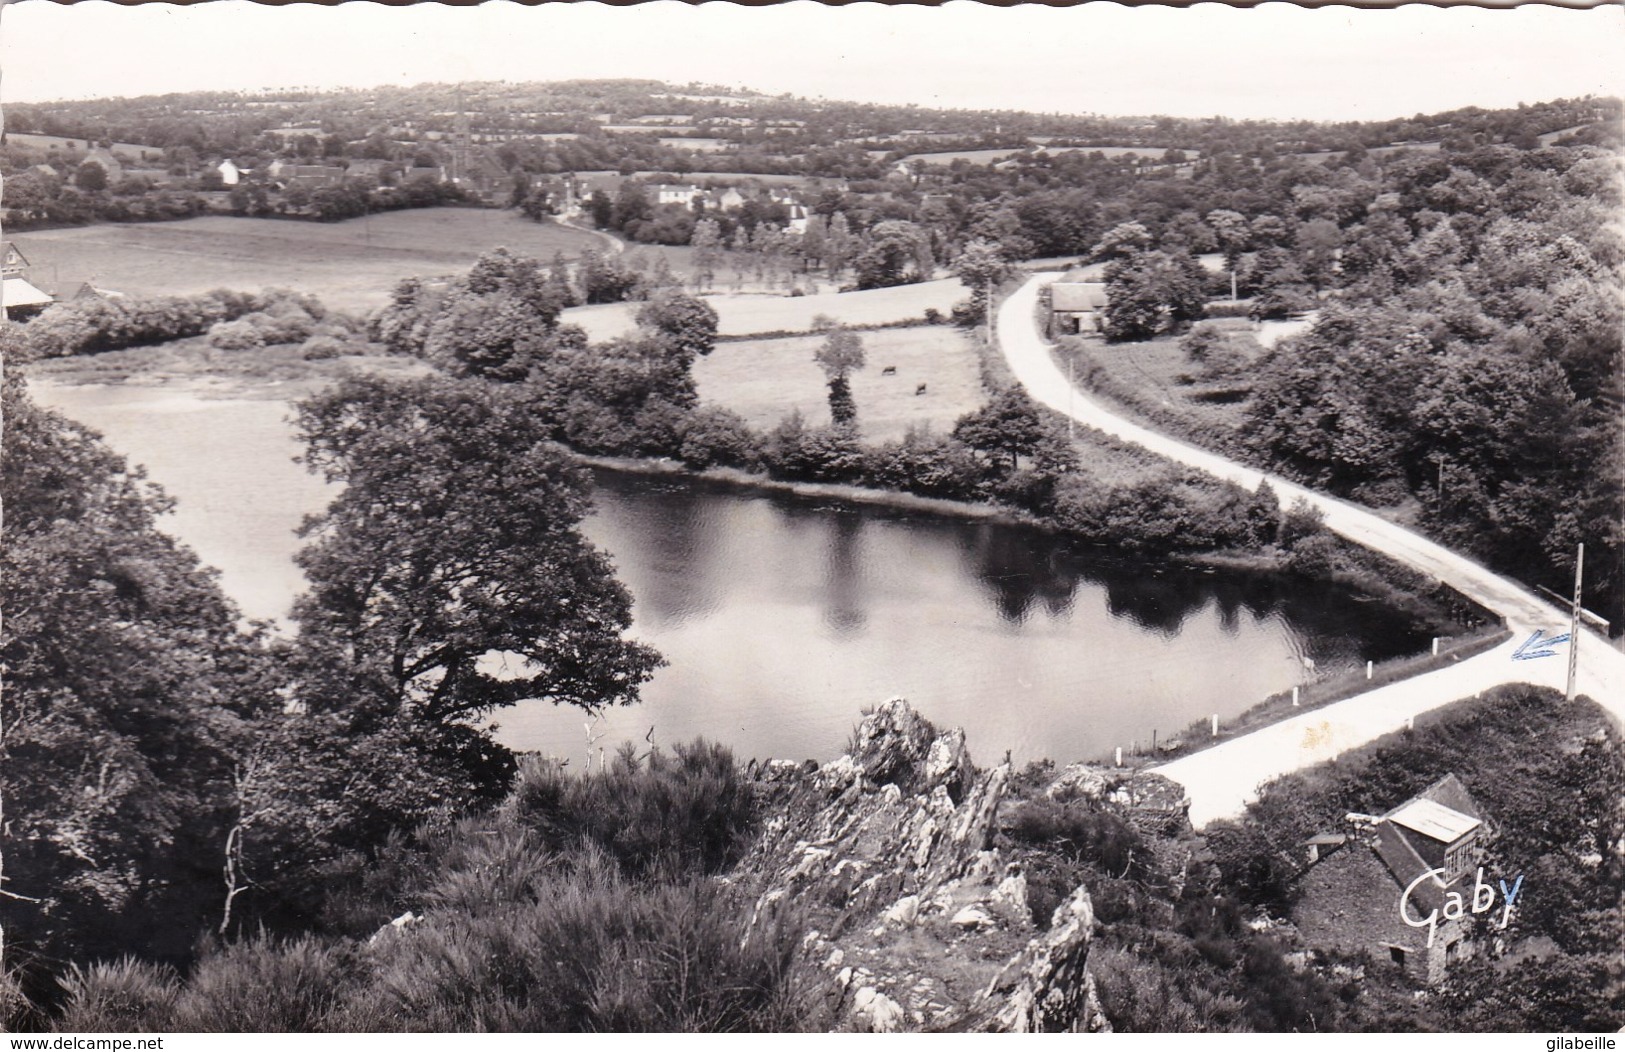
1048	986
887	853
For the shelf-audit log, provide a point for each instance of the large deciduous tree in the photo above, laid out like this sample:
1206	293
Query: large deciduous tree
687	323
1149	291
129	691
895	252
450	578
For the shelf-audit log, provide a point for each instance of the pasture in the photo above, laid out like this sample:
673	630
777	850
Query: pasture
744	314
351	265
1150	153
128	152
765	380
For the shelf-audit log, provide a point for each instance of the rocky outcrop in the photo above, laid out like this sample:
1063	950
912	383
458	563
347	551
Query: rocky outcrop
887	855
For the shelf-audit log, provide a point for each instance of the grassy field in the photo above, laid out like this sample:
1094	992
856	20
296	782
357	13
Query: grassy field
1153	153
128	152
764	380
280	373
744	314
351	265
1156	374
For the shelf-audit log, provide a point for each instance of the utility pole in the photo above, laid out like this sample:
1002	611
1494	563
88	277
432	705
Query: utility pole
1071	421
987	296
1574	623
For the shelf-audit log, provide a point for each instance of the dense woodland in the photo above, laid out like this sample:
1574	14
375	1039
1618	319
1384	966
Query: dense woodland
773	134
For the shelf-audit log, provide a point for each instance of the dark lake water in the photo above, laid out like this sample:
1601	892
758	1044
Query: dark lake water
781	617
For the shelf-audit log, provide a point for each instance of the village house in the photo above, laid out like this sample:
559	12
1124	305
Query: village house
82	292
230	174
305	176
433	172
109	164
1356	882
1077	305
17	295
726	200
674	194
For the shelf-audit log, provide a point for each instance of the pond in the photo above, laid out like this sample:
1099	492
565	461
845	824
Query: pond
782	616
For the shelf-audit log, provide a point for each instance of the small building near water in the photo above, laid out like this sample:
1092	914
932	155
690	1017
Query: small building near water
18	298
1355	883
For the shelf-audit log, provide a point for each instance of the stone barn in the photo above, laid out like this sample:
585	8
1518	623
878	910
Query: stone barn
1355	881
1077	307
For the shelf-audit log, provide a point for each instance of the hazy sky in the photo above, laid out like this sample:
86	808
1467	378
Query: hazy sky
1278	60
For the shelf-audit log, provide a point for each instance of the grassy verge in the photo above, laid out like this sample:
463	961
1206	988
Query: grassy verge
1280	706
1135	390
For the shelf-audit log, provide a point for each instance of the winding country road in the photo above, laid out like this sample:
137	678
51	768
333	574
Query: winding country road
1221	780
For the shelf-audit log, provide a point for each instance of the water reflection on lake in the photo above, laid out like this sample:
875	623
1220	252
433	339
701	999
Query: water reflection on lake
781	617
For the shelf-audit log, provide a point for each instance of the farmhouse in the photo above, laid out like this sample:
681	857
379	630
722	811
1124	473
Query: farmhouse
1077	305
17	296
673	194
109	164
1359	881
306	176
83	291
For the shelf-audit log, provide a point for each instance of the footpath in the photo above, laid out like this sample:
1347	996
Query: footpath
1221	780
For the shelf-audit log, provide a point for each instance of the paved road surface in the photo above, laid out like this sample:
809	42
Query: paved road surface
1221	780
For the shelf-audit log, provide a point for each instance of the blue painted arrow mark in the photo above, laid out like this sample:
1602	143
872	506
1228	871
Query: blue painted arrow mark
1536	647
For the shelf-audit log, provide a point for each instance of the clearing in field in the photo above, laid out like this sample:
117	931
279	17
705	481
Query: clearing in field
764	380
351	265
745	314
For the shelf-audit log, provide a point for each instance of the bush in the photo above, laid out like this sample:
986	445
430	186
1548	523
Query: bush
711	436
925	464
240	335
320	348
797	452
109	325
128	996
688	811
599	953
1099	839
261	986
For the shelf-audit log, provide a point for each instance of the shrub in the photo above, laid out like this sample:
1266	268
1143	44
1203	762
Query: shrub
925	464
1300	521
711	436
599	953
261	986
240	335
320	348
127	996
1099	839
823	454
688	810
